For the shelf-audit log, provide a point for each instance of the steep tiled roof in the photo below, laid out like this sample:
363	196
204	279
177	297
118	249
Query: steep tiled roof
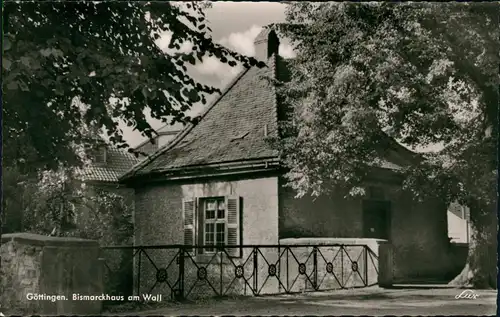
117	163
234	128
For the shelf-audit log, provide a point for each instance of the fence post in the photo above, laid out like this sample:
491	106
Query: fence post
181	272
287	272
139	272
221	271
365	259
342	266
279	269
255	271
315	264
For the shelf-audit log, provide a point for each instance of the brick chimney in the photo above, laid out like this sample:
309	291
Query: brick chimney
266	44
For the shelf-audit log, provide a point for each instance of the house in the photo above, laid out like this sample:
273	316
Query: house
220	182
459	230
108	163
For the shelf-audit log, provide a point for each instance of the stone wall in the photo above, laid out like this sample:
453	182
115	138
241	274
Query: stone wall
35	266
333	263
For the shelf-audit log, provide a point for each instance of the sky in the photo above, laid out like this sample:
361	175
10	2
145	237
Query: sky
234	25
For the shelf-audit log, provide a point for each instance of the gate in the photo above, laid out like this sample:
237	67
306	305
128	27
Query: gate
189	272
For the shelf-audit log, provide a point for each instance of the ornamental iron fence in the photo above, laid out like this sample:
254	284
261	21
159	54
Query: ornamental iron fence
188	272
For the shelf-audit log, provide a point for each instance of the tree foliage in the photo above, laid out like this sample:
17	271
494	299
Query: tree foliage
58	204
365	71
63	61
371	74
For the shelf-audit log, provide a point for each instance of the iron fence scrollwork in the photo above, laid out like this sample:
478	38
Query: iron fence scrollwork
260	270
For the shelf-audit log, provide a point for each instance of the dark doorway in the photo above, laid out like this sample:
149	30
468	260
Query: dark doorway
377	219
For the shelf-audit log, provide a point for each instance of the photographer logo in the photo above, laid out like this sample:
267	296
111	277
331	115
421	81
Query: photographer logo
467	294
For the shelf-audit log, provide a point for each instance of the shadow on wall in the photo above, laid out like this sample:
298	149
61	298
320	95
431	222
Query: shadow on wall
458	257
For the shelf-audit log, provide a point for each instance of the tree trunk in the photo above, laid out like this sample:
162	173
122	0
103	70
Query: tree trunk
480	271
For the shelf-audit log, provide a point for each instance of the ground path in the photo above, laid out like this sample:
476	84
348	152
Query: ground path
430	300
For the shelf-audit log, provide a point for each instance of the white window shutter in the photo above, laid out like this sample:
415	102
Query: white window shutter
233	206
189	221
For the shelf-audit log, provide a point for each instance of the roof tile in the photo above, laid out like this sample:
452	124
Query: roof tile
248	108
117	163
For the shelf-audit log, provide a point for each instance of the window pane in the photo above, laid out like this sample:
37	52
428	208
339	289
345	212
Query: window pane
220	234
210	214
210	227
220	214
220	239
209	235
220	227
211	204
220	205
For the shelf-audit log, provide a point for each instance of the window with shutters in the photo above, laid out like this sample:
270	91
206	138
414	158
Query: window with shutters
213	221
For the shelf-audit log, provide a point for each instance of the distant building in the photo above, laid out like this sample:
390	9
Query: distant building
458	223
165	134
109	163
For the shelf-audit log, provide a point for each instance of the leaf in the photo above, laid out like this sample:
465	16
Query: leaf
6	63
59	91
12	85
7	45
144	61
145	92
110	55
189	58
26	61
23	86
45	52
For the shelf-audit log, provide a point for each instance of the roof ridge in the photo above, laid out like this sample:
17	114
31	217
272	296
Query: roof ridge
185	131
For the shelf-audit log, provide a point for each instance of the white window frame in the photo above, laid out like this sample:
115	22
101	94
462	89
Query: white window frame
215	221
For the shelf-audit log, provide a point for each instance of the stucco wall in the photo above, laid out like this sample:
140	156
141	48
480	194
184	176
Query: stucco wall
458	229
418	230
319	217
158	219
328	262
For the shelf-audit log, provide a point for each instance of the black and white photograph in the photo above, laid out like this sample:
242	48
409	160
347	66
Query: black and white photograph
208	158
